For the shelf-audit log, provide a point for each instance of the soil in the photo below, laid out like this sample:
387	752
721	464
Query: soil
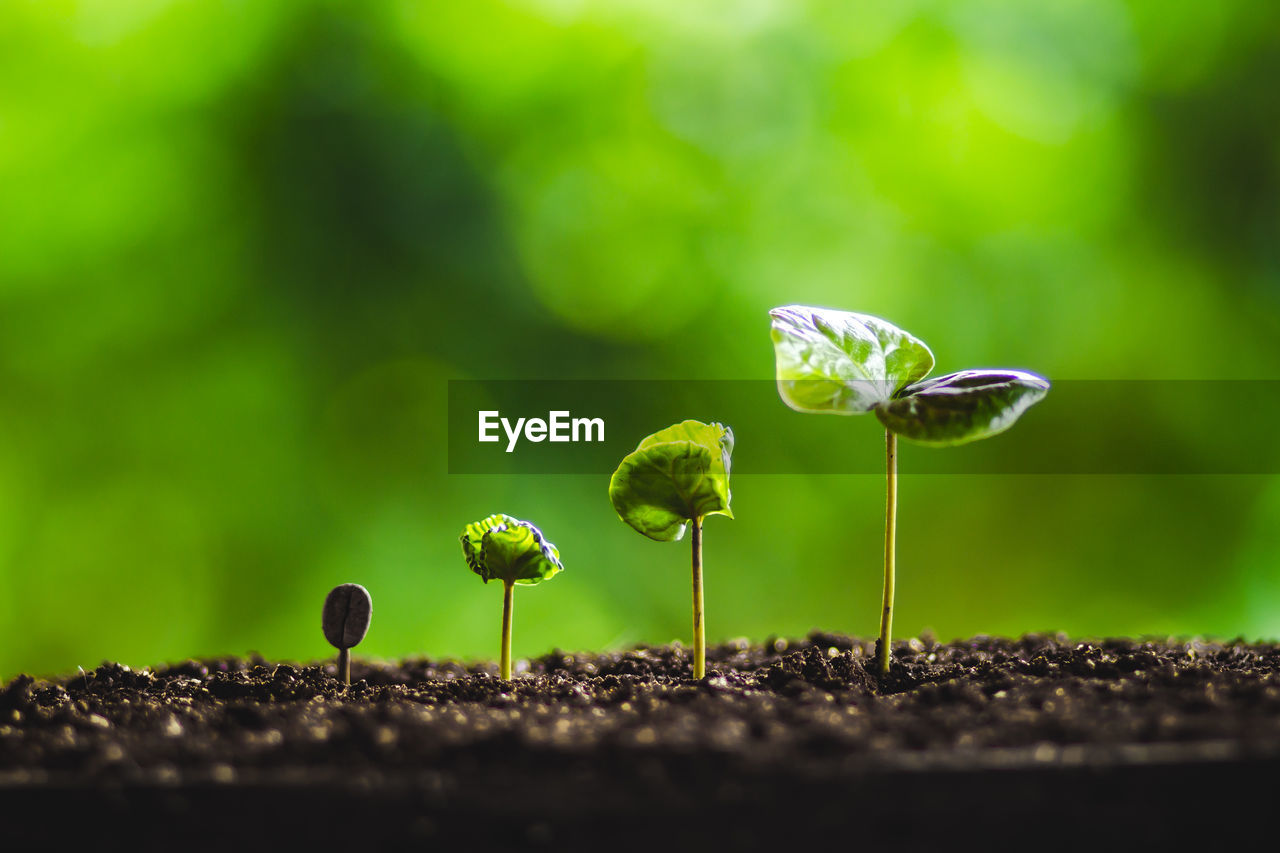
1040	741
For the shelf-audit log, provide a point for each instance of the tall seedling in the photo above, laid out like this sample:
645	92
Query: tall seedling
844	363
672	481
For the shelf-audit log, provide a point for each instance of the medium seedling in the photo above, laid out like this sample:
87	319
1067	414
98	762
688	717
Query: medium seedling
673	480
844	363
347	612
515	552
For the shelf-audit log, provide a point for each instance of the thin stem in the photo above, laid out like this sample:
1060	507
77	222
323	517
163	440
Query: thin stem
508	601
699	629
890	546
344	665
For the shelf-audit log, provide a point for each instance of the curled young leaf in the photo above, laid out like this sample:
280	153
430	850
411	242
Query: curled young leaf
842	362
712	436
674	476
510	550
962	407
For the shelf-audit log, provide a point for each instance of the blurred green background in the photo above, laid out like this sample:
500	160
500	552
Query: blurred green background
244	245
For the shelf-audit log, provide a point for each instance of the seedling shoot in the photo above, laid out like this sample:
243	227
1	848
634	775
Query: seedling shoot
347	612
672	481
843	363
515	552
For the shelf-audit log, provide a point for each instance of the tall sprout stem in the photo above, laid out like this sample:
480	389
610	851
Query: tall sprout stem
344	665
890	547
508	601
699	628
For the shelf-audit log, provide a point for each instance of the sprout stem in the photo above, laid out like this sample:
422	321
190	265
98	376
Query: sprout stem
699	628
890	547
508	601
344	665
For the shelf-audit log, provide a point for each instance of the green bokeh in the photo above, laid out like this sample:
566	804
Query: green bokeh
243	246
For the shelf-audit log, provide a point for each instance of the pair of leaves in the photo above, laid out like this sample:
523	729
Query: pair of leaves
674	476
504	548
846	363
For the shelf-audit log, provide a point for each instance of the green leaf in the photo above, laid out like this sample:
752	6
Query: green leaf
674	476
841	362
473	539
708	435
962	407
510	550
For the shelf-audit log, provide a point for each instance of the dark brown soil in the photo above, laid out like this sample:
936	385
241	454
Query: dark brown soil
1040	741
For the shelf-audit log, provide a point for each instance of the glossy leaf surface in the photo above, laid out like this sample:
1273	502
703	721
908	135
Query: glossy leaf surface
962	407
504	548
842	362
674	476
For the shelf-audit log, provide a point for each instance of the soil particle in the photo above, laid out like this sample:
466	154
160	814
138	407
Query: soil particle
783	741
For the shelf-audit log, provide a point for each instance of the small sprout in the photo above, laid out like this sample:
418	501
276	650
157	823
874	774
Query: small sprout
848	364
677	477
347	611
515	552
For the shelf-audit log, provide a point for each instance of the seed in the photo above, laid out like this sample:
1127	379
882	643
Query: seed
347	611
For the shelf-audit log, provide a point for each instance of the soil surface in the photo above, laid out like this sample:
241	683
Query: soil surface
1041	741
